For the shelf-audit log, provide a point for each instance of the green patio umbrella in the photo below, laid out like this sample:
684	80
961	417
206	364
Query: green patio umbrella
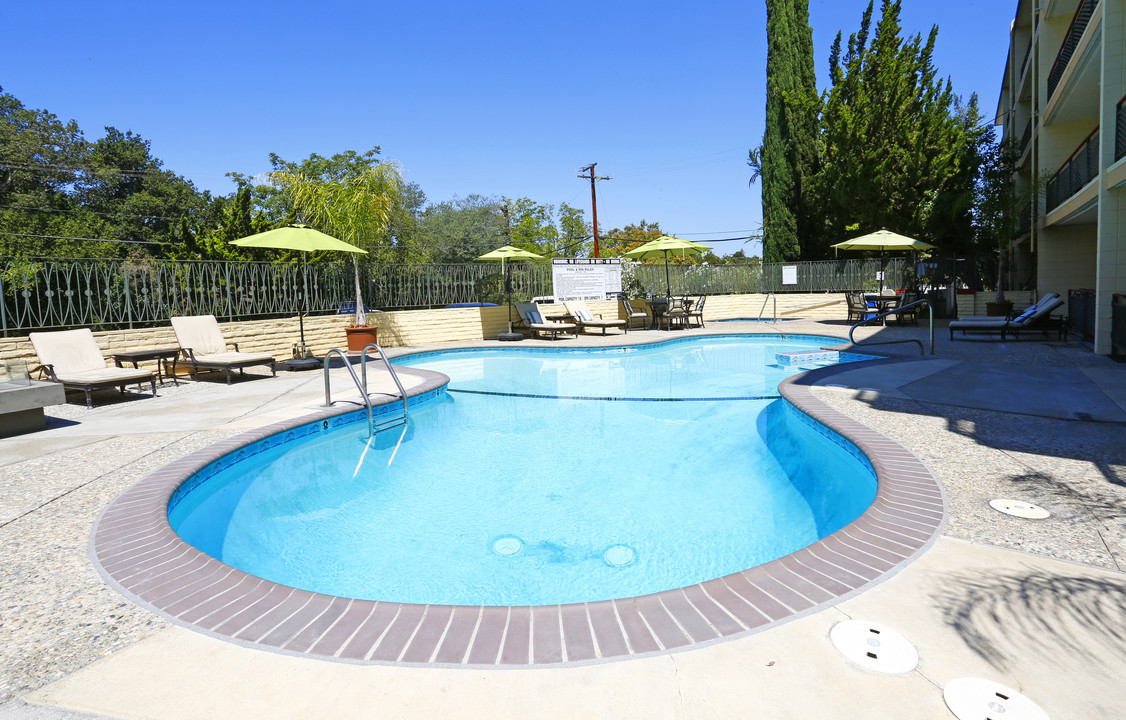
883	240
306	239
661	247
501	254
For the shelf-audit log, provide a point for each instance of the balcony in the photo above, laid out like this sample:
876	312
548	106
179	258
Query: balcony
1081	168
1074	34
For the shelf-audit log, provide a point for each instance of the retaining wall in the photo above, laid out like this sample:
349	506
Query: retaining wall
425	327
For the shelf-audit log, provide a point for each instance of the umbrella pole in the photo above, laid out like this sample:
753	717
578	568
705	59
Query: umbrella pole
668	283
301	305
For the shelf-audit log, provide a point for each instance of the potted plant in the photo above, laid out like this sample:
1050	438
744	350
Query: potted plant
360	335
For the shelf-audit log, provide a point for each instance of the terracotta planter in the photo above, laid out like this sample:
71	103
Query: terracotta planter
360	336
999	309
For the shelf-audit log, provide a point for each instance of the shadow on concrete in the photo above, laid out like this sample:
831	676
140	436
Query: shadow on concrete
1003	617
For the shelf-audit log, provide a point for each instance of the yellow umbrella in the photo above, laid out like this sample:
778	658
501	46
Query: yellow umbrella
306	239
661	247
509	252
883	240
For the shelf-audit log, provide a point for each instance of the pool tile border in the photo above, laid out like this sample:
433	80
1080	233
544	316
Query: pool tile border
137	552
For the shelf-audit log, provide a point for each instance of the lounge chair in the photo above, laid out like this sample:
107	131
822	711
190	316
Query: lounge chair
1040	319
72	357
1027	312
204	347
696	311
586	319
632	314
532	320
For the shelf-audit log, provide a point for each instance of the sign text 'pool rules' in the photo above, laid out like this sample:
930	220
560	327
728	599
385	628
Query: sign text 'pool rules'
586	278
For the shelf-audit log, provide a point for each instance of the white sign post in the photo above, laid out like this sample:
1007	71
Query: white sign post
586	278
789	274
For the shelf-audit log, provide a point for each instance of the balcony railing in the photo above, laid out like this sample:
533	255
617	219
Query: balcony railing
1024	221
1120	130
1081	168
1026	138
1074	34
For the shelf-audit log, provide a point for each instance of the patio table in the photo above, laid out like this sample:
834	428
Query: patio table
161	355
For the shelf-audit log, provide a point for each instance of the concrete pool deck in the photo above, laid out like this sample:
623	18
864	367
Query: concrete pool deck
978	603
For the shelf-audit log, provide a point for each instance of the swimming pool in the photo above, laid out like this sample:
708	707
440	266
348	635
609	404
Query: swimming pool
136	552
545	477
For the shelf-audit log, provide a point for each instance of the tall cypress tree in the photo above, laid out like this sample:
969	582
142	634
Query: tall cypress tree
788	156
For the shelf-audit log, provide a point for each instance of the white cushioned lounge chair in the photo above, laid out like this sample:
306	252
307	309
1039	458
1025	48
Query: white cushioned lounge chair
534	322
1026	313
1039	319
587	319
204	347
73	358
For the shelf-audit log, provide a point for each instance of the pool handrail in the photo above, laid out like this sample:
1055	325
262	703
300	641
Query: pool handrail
769	296
895	311
361	388
391	370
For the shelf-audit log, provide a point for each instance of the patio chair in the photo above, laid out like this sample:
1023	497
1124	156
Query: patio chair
911	315
72	357
204	347
676	312
858	309
632	315
532	320
1040	320
696	310
586	319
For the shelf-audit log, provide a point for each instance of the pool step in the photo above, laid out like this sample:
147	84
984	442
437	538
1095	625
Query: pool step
802	357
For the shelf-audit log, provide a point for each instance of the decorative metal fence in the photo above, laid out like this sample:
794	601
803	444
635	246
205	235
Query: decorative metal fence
44	293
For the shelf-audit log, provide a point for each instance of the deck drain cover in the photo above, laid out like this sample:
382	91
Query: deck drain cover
874	646
1019	508
977	699
836	385
507	546
618	555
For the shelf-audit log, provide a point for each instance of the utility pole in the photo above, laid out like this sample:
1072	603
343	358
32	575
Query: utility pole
593	201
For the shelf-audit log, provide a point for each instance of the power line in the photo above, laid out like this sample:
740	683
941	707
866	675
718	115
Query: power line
42	167
87	212
64	237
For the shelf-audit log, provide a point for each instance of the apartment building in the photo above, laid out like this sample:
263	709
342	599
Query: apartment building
1063	98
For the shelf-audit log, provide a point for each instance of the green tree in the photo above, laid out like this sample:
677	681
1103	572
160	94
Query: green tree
898	151
787	159
462	229
531	225
619	241
354	204
575	233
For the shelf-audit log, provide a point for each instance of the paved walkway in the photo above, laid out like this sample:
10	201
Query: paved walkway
996	597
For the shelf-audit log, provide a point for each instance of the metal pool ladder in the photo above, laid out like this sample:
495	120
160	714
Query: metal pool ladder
362	386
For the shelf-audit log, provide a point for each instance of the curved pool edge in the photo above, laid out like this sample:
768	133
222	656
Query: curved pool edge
135	549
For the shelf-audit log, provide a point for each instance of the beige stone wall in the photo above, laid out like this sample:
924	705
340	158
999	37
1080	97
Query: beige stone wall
423	327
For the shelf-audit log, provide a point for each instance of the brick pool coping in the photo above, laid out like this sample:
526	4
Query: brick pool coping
137	552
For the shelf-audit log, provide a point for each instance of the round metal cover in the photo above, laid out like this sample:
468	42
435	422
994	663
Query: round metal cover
977	699
1019	508
874	646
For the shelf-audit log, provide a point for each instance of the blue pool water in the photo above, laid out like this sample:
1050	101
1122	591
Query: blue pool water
521	499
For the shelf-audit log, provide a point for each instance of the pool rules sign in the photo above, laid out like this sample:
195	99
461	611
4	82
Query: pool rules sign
586	278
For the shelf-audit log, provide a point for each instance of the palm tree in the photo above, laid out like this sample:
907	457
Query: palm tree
354	207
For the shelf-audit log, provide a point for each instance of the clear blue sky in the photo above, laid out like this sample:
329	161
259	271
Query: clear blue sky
497	98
